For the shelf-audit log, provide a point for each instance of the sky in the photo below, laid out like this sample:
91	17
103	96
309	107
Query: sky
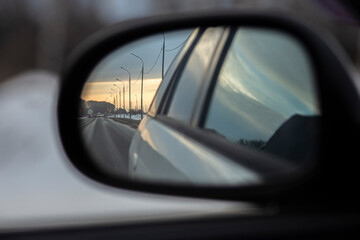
108	72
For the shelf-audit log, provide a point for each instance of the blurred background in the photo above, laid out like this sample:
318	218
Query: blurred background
39	34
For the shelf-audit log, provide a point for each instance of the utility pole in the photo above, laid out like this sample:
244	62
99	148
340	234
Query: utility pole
129	89
142	82
163	58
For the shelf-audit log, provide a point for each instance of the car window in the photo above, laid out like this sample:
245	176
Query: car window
264	82
190	81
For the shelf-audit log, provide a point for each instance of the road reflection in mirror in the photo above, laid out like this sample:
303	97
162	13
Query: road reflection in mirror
119	92
212	106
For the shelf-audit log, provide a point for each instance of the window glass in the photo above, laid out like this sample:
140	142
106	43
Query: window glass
264	91
189	83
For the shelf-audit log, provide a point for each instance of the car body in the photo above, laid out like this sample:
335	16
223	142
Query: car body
165	146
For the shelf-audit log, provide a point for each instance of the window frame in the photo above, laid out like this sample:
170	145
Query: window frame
205	81
200	121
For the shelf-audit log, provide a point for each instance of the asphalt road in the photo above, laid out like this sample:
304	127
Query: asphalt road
108	141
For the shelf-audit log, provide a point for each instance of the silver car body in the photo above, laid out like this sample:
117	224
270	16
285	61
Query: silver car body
159	153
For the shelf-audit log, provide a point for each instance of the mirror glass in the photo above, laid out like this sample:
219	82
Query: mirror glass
214	106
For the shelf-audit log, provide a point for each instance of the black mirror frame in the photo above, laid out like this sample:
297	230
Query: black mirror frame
333	83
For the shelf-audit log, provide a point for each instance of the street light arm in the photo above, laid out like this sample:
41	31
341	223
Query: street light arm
139	58
127	72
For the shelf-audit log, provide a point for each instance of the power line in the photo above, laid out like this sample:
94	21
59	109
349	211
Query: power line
172	49
138	78
157	58
154	63
139	75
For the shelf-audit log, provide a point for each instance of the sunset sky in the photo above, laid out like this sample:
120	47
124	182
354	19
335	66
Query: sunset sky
105	75
99	91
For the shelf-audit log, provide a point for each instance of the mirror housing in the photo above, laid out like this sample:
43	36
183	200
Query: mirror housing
335	88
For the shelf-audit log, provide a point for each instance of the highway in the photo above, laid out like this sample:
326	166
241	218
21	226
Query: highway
109	142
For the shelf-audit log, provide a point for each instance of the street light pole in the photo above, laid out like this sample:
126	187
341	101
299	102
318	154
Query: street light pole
142	82
124	97
111	95
136	106
129	89
115	100
124	102
119	96
106	104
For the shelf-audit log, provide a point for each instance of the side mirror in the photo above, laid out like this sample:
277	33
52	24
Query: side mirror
223	105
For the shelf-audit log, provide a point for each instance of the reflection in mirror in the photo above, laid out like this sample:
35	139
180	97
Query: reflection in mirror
269	75
254	106
118	93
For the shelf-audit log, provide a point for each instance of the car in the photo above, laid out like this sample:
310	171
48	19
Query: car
187	110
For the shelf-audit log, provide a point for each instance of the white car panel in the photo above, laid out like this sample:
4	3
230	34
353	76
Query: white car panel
159	153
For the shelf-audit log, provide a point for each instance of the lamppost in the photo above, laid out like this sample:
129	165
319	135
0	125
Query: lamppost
142	82
119	96
124	95
129	89
106	105
111	95
136	106
115	100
